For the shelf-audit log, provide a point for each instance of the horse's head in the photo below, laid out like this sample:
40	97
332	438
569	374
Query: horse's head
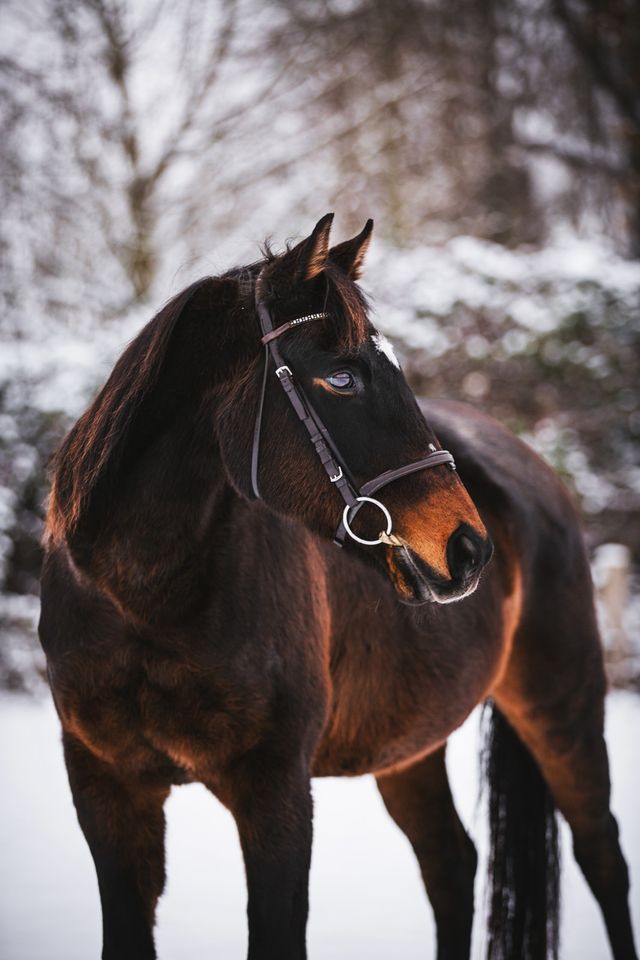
348	376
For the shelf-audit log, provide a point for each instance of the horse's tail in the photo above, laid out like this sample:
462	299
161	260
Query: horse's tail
524	860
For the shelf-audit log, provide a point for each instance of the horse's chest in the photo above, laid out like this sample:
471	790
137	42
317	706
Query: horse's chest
398	697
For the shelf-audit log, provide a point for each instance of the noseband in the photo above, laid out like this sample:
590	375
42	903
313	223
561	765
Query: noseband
321	439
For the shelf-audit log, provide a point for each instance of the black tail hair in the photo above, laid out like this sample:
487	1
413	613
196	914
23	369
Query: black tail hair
524	857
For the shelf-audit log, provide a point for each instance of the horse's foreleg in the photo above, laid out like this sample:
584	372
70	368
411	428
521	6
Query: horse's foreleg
419	800
124	827
557	710
271	803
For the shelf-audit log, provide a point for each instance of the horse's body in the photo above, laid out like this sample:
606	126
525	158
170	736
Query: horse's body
194	633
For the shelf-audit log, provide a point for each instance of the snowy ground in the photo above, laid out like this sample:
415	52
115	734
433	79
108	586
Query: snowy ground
366	897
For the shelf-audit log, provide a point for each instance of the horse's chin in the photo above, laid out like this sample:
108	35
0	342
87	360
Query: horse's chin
417	584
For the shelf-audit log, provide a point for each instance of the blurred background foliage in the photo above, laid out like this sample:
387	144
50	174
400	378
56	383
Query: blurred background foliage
497	145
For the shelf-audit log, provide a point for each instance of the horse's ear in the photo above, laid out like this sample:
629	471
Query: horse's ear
350	255
308	258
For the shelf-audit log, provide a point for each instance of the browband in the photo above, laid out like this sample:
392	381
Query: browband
268	337
325	448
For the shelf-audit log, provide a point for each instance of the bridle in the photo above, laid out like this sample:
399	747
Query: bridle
328	454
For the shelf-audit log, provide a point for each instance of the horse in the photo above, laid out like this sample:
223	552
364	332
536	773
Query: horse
225	601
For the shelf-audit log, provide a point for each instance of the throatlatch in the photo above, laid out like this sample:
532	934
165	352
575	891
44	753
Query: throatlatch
320	437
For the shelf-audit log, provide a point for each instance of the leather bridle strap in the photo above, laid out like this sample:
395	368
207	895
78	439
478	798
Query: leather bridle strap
255	449
434	459
324	446
318	433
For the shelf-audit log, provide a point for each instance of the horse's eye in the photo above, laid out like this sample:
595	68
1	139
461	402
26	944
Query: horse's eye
342	380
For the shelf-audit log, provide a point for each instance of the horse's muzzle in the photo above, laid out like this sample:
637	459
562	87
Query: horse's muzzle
417	582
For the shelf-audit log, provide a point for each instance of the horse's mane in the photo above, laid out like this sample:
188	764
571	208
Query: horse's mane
95	443
93	449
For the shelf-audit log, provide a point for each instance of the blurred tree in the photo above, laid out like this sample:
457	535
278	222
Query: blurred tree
507	115
605	36
134	133
116	116
93	178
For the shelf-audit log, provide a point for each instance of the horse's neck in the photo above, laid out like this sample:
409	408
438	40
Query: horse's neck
152	552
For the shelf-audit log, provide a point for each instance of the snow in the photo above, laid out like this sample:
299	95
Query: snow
534	289
609	555
366	894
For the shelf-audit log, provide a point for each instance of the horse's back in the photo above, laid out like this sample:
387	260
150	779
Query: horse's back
555	653
514	488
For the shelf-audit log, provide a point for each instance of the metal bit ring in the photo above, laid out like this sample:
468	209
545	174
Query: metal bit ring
354	536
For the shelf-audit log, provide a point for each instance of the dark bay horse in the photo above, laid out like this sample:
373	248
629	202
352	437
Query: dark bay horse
199	624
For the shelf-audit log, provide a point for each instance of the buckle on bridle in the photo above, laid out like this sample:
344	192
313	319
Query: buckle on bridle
337	477
283	371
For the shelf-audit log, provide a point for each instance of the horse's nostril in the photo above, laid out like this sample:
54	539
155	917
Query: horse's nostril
467	549
465	553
